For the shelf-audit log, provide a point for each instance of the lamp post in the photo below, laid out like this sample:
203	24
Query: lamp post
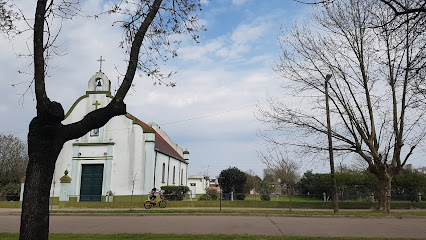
219	179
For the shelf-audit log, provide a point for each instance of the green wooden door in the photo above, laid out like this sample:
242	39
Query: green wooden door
91	182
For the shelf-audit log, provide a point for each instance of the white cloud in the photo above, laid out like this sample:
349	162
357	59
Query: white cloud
233	46
3	108
246	33
200	52
239	2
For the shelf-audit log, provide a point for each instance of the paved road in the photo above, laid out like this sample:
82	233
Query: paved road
226	224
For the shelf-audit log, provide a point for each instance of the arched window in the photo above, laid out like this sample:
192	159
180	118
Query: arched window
181	178
99	84
163	174
174	174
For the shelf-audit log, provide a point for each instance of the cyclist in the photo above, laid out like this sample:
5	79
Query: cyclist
152	195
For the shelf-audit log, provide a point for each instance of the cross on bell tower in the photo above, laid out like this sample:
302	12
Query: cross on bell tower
100	63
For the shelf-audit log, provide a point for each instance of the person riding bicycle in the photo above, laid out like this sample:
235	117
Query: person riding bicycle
152	196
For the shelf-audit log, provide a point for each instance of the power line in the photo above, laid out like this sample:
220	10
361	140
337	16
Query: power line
219	113
210	115
179	121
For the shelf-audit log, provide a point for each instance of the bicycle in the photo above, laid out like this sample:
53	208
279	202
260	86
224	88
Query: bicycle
160	202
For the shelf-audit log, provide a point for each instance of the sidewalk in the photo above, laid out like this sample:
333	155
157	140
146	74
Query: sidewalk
16	211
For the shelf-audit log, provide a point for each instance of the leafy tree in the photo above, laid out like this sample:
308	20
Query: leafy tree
13	160
147	26
409	183
233	179
310	183
375	106
265	189
251	182
353	184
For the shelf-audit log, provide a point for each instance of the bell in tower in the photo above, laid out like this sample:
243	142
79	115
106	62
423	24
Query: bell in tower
99	84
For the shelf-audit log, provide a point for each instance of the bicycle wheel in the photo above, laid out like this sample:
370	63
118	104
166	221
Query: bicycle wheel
147	204
162	204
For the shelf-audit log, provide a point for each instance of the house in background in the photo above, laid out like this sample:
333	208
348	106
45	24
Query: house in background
197	184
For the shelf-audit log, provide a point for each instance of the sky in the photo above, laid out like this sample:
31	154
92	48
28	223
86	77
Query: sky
220	83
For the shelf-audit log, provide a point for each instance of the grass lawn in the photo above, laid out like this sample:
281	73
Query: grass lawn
14	236
285	198
254	212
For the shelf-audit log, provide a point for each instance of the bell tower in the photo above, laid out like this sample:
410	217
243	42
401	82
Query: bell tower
99	83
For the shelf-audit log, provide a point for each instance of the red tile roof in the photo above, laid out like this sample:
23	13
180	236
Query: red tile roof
161	145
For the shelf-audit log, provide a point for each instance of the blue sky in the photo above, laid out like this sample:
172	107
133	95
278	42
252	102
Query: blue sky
219	82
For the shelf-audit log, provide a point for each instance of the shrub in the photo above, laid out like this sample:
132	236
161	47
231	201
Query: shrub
175	193
265	189
212	193
12	191
265	197
204	197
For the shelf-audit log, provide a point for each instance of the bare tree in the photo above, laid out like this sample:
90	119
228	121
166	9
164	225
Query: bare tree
7	17
147	25
412	10
375	109
400	7
281	166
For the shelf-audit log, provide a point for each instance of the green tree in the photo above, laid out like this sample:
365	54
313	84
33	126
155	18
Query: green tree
310	183
350	183
13	160
265	189
233	179
251	183
409	183
353	184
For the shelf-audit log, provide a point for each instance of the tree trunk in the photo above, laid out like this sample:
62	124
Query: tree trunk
44	145
384	193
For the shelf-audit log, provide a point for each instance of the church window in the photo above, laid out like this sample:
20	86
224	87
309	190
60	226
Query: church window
174	174
181	178
99	84
163	174
94	132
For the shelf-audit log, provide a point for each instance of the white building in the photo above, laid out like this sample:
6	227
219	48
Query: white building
123	156
197	184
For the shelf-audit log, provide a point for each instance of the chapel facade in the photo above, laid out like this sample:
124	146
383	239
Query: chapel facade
125	157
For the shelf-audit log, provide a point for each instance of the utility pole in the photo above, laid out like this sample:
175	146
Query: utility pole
330	148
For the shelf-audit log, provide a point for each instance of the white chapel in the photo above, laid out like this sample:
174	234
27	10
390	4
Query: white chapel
124	156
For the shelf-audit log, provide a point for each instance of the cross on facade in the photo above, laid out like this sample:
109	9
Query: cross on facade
100	63
96	104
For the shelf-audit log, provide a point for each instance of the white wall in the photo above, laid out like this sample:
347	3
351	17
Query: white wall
200	184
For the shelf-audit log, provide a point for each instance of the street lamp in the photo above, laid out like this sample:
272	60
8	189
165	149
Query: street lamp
219	179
